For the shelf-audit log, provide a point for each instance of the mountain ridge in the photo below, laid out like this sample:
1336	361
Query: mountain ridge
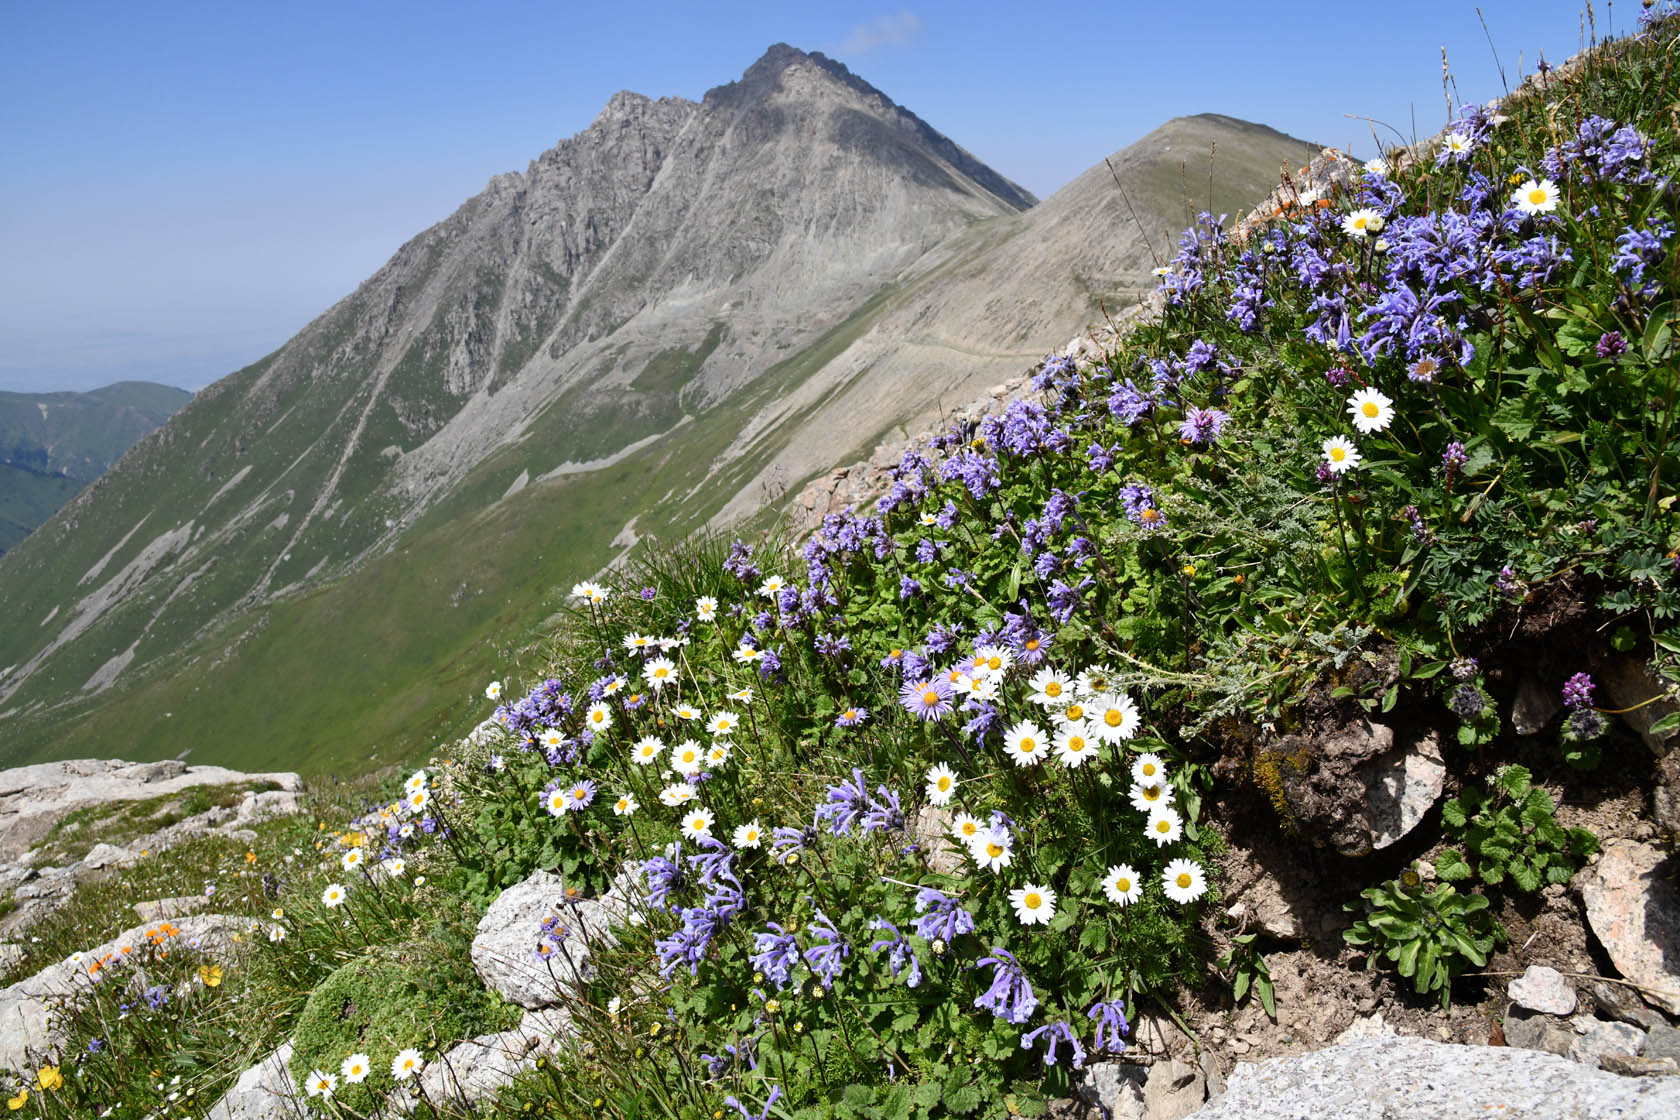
706	301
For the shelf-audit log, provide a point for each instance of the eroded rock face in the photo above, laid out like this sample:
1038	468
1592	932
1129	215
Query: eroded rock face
1386	1077
504	950
33	798
1634	912
263	1092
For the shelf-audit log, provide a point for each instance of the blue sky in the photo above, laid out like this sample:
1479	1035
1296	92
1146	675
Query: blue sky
183	186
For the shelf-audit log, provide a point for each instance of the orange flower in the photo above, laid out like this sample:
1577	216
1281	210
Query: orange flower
250	857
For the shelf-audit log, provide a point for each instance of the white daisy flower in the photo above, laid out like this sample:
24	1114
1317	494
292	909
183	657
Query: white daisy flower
552	738
637	641
598	717
1372	411
1096	680
1340	454
677	793
493	690
1360	223
723	723
1161	273
1146	797
1026	743
555	802
406	1064
1034	905
697	823
1114	717
685	758
1165	825
1458	143
705	608
1121	885
354	1069
996	660
321	1084
418	800
1075	744
333	896
1537	197
589	592
742	696
351	859
624	806
395	866
929	518
717	754
1070	711
659	672
1050	688
686	711
1377	167
1184	880
967	829
984	690
416	780
277	934
993	850
941	784
1148	769
772	586
646	751
749	835
746	654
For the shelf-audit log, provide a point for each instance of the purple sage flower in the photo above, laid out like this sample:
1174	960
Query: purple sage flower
1578	691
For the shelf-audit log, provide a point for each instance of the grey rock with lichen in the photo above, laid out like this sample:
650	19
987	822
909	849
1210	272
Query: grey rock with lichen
1415	1079
504	947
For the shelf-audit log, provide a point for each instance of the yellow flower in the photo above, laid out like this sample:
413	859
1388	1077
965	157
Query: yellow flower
17	1102
250	857
210	975
49	1079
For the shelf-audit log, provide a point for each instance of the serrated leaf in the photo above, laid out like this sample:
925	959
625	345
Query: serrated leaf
1452	866
1525	877
962	1100
1453	814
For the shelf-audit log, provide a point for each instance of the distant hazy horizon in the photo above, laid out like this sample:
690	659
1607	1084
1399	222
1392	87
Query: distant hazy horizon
189	185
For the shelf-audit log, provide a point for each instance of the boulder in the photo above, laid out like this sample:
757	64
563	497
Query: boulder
1542	989
1415	1079
1661	1041
504	946
1534	707
1114	1087
1173	1090
1401	787
1531	1031
475	1070
932	832
263	1092
1597	1040
1635	914
1622	1003
1632	690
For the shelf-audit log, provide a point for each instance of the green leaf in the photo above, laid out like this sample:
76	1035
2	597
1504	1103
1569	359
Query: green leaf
962	1100
1268	999
1525	877
1452	866
1515	417
1453	814
1668	723
1240	988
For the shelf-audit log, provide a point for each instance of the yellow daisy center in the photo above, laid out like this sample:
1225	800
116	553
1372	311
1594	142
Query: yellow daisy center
1183	880
1033	900
580	793
994	849
944	783
1163	826
1151	793
1114	717
1027	746
994	662
930	698
1337	454
1054	688
1369	408
1076	744
1537	197
968	828
1149	769
1075	711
